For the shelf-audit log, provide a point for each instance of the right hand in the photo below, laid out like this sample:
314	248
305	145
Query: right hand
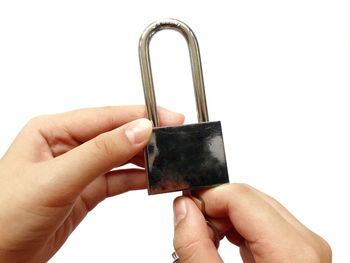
262	228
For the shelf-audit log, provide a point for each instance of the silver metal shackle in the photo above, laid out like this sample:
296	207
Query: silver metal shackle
196	66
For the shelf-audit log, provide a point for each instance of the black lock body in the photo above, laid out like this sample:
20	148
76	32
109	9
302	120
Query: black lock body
186	157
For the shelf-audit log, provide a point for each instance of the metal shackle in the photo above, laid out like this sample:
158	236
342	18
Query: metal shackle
196	66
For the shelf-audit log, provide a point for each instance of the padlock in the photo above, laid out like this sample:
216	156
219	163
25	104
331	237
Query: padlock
186	157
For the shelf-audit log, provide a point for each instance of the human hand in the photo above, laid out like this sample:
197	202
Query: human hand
262	228
57	170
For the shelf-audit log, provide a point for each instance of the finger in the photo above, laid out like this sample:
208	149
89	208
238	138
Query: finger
223	225
292	220
122	181
281	210
234	237
225	228
111	184
258	220
49	136
192	240
246	253
273	202
80	166
138	159
251	216
85	124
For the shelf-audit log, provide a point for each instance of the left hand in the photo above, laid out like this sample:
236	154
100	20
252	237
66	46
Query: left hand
57	170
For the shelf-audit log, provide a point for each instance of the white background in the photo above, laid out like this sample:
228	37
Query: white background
276	75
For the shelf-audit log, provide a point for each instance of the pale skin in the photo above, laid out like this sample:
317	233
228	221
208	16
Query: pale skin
59	168
261	227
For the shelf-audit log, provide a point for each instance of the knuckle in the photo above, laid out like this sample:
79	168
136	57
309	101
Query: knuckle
324	250
328	252
37	121
309	253
241	189
312	248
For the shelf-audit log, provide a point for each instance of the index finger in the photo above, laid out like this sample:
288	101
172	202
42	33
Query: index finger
85	124
65	131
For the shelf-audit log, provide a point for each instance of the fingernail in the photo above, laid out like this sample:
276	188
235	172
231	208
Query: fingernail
180	210
138	131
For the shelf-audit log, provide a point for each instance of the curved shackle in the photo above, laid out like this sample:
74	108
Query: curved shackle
196	66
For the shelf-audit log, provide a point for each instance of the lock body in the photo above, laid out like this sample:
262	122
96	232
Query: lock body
186	157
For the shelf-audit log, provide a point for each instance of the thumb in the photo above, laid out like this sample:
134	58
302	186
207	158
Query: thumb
192	240
77	168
